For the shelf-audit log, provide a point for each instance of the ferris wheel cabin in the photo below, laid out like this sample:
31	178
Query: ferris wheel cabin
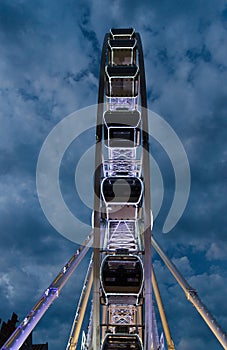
122	342
122	129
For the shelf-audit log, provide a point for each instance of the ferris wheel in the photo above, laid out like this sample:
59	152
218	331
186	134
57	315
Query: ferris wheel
120	273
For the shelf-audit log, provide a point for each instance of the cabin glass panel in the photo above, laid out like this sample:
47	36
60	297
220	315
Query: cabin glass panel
122	190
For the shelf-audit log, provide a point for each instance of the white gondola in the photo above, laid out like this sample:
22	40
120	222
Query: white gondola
122	129
122	33
122	197
122	87
122	191
122	278
122	52
122	81
122	342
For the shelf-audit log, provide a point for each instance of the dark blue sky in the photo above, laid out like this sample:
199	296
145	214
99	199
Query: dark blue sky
50	52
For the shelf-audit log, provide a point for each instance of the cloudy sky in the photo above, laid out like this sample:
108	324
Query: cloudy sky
49	66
